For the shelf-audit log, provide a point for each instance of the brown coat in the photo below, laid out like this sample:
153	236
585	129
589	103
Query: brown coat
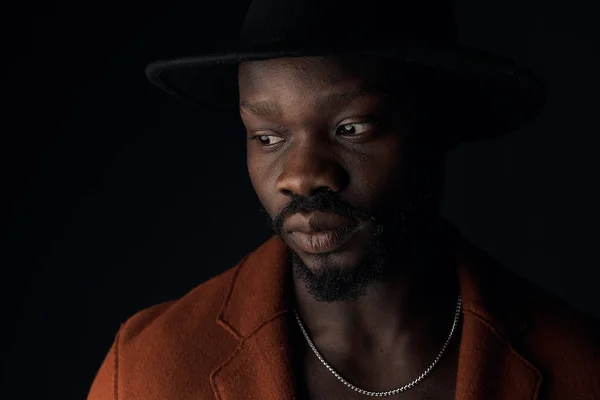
226	339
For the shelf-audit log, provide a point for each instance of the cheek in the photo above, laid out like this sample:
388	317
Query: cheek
378	172
262	179
252	172
256	169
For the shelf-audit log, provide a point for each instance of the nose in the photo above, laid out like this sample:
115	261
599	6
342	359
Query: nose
309	168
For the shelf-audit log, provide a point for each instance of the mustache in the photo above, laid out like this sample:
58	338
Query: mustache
405	214
325	201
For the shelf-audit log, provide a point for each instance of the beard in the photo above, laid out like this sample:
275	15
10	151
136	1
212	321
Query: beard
399	227
397	232
331	282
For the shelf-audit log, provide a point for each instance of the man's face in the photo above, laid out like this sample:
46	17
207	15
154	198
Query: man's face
323	135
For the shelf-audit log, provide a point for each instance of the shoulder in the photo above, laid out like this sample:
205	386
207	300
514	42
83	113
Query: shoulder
516	299
192	317
547	318
200	305
175	339
559	333
562	342
550	318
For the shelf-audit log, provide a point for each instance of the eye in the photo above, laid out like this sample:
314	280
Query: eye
267	140
355	129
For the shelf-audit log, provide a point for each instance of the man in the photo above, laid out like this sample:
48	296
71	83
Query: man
364	290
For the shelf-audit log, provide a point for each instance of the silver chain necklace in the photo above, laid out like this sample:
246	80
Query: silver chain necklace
389	392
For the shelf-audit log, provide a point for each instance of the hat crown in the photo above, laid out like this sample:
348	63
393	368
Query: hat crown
318	22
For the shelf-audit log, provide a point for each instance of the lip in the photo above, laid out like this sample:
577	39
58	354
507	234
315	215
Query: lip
320	232
323	241
317	222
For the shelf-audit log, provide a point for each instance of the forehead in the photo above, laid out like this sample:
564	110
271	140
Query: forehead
328	69
303	83
308	73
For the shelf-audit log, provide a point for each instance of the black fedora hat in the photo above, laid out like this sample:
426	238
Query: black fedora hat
470	94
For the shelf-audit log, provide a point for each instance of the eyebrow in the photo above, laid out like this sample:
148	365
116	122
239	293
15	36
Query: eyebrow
324	101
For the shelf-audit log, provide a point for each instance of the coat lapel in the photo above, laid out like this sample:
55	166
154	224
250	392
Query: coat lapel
254	312
489	366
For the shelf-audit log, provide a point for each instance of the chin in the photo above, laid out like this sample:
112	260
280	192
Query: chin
339	276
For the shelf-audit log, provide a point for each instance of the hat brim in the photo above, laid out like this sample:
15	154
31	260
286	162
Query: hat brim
472	95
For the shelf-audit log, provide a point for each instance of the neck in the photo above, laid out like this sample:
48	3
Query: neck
416	299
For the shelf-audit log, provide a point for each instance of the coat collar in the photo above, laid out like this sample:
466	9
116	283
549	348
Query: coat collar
253	312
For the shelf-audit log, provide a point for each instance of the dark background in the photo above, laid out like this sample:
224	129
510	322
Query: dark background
121	197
